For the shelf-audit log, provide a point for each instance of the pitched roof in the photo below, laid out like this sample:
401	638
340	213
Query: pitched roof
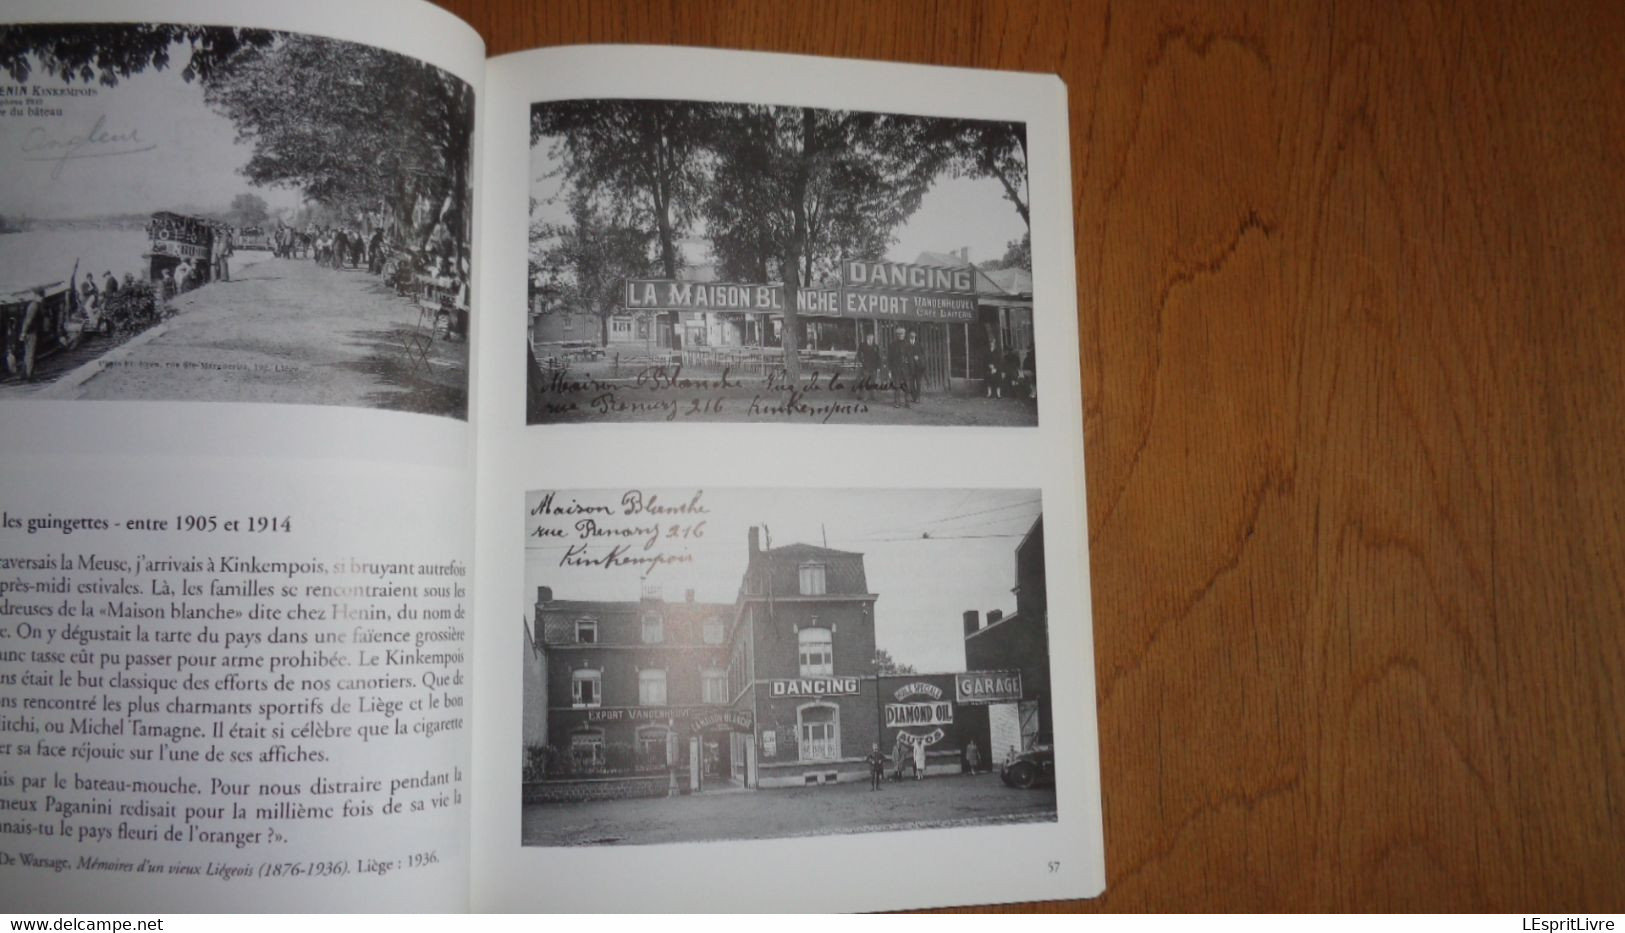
1002	282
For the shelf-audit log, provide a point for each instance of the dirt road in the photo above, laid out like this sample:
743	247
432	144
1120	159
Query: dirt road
287	331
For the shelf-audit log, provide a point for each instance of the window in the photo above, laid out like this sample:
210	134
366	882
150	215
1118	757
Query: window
818	727
654	631
714	686
586	631
713	631
652	747
817	652
652	688
587	748
620	327
812	579
585	688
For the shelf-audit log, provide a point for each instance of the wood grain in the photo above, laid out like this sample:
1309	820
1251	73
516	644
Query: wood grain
1351	298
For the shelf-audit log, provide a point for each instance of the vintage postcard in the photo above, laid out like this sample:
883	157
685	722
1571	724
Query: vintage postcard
710	664
742	262
215	213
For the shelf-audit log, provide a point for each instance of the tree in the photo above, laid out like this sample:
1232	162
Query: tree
644	155
249	210
585	261
1018	254
988	149
107	52
886	665
806	187
357	128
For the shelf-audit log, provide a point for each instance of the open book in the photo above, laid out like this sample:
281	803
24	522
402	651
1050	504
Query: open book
757	581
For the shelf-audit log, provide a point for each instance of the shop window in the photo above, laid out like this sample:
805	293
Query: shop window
817	653
652	688
585	688
586	631
652	747
714	686
818	727
713	631
587	749
654	629
812	579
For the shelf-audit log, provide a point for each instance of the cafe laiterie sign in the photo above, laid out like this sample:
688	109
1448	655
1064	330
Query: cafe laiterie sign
879	290
978	687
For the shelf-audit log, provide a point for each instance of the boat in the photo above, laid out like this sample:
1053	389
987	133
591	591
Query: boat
176	238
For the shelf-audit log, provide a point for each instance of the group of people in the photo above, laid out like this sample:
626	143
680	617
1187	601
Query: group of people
337	246
1011	374
902	369
910	755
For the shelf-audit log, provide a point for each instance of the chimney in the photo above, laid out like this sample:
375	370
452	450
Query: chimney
688	596
973	621
544	594
755	541
964	253
995	616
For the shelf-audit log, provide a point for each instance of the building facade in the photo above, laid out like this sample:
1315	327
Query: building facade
781	687
1005	713
806	639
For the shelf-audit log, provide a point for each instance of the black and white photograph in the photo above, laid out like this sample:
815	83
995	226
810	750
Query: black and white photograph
724	664
739	262
211	213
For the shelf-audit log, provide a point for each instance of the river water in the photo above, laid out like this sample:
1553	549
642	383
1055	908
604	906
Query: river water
37	257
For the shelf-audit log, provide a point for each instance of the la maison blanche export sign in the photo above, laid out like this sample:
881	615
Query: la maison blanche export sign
890	290
979	687
813	687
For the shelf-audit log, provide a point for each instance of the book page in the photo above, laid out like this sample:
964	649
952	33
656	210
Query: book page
782	551
235	531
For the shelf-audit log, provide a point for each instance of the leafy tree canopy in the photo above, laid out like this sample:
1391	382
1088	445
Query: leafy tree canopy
106	52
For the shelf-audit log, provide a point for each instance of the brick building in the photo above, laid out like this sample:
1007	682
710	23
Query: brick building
780	687
1004	712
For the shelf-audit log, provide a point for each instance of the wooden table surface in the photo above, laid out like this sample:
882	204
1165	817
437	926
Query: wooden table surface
1353	319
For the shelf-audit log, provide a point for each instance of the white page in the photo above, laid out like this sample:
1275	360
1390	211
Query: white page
620	862
287	423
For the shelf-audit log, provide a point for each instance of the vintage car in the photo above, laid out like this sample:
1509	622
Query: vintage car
1030	768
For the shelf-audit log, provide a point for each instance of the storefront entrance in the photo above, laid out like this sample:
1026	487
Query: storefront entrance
720	750
716	756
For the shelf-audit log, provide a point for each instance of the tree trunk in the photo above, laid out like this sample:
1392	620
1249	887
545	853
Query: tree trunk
790	264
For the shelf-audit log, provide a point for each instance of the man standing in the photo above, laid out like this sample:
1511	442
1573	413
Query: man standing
897	368
221	248
28	333
901	754
916	364
973	757
877	766
868	366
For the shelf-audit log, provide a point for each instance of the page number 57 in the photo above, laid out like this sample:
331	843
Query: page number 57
1054	867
